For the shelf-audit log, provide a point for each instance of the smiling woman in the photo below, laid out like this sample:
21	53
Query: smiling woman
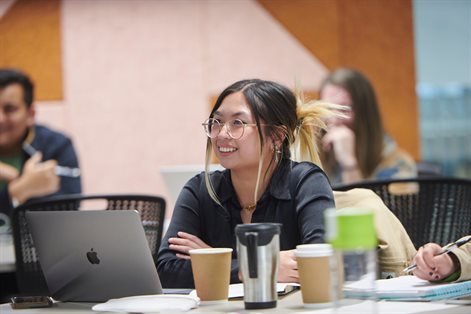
251	130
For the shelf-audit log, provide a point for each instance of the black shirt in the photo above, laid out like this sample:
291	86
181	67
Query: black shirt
296	197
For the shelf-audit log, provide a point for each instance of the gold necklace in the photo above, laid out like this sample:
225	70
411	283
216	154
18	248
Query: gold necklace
250	207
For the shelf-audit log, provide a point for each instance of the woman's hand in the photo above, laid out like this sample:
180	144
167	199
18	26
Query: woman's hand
288	270
342	140
184	243
431	266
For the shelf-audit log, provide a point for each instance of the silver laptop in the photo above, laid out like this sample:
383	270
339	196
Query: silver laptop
93	256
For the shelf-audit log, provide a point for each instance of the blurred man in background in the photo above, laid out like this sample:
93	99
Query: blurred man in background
35	161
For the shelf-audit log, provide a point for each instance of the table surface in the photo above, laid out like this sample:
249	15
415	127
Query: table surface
7	253
291	303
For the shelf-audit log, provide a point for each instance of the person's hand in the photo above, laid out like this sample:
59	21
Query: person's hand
38	179
342	140
288	270
7	172
431	266
184	243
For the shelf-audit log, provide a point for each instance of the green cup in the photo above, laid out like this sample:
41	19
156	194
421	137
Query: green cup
350	229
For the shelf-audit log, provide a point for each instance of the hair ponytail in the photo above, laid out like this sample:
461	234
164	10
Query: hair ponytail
311	116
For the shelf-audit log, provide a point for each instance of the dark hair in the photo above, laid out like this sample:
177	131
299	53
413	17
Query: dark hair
286	118
268	101
11	76
367	124
276	106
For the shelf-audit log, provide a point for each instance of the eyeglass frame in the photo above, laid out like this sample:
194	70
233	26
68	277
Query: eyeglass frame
205	124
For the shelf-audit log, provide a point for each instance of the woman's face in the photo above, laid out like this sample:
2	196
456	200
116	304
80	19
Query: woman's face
338	95
242	153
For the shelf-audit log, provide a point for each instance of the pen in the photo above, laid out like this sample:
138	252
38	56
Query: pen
60	170
446	249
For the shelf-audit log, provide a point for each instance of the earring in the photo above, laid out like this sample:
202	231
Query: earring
277	152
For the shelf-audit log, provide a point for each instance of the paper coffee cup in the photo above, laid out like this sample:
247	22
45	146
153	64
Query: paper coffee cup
315	274
211	273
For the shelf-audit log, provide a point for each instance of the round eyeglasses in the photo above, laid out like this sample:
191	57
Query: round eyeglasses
235	128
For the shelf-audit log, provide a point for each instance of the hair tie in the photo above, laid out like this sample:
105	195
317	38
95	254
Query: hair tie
299	123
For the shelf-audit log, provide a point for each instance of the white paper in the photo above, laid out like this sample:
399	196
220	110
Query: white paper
237	290
148	304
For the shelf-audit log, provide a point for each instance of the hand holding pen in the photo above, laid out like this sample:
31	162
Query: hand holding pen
433	263
59	170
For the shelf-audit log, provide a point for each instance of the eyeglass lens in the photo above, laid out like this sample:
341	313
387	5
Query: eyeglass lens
235	128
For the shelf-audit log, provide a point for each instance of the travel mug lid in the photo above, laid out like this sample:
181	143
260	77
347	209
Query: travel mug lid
264	231
350	228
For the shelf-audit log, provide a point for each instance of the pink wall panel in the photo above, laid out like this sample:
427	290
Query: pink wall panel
138	76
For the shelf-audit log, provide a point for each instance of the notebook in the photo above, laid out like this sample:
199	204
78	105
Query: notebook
411	288
93	256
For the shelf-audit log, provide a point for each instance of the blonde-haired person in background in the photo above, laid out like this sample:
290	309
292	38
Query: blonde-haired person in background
356	146
453	266
250	129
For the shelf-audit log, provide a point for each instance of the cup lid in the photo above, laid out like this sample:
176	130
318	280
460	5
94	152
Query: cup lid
350	228
265	232
259	227
317	249
214	250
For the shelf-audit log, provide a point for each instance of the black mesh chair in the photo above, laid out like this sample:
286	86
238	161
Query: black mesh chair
29	276
435	209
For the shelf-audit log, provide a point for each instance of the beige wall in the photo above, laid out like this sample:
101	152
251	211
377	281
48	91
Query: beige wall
138	76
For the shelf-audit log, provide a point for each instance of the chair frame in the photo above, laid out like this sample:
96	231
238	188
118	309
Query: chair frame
444	203
30	279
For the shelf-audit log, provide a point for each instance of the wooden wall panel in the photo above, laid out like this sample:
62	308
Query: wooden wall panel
30	40
315	23
373	36
379	41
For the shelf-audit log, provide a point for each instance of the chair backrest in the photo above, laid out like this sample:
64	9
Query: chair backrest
435	209
30	278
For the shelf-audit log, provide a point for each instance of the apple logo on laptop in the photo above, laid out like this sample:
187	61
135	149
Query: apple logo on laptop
92	257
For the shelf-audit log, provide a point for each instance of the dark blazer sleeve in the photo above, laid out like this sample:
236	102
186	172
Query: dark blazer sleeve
53	145
175	272
57	146
66	156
